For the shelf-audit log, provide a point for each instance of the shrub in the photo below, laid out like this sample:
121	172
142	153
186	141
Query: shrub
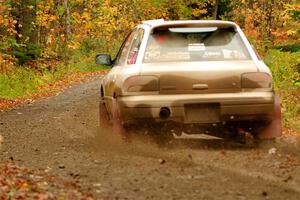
285	67
26	52
289	47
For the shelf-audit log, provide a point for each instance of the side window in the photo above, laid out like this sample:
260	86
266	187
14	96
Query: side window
123	52
135	47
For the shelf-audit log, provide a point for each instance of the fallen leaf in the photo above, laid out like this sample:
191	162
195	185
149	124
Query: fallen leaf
1	139
162	161
272	150
223	152
264	193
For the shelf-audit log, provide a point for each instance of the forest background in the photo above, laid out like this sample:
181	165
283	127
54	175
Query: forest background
43	42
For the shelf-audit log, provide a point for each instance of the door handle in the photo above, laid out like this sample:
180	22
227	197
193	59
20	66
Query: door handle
200	87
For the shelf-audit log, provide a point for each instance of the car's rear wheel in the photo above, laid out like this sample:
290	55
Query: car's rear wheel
271	129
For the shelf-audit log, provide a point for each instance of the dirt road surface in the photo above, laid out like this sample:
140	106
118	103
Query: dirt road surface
60	135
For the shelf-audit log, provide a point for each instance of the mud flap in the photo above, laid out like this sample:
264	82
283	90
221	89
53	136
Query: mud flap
103	115
116	120
274	129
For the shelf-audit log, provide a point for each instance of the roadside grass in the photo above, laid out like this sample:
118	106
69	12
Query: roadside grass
286	76
23	81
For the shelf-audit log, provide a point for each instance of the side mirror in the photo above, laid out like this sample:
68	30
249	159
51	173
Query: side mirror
103	59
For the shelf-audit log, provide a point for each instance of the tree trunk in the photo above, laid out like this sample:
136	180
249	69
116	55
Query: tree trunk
216	10
25	14
270	18
67	18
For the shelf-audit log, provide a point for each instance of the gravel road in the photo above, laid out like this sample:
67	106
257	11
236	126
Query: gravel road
60	135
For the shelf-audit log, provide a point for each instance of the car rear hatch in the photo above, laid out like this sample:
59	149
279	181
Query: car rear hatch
199	77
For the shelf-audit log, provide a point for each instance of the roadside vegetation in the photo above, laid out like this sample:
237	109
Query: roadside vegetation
23	81
286	74
42	42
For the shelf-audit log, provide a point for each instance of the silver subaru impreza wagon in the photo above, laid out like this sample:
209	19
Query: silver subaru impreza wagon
188	72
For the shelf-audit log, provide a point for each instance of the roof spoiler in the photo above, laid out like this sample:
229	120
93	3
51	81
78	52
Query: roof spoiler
153	22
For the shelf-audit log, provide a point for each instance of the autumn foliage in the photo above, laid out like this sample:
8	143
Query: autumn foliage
54	29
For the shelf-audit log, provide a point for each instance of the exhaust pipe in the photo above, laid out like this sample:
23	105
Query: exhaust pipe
164	113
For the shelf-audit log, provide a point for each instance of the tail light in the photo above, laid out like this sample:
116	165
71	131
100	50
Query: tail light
141	84
256	80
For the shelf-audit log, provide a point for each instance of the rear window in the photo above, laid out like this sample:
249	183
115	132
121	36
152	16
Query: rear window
195	44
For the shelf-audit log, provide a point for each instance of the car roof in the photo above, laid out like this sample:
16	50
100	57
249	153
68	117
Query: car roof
162	23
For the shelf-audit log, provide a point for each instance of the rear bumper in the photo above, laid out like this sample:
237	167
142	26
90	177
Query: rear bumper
212	108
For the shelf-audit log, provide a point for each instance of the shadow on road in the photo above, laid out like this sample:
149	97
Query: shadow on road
107	140
212	144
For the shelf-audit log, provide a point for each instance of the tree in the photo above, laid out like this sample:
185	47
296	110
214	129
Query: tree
215	16
67	18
